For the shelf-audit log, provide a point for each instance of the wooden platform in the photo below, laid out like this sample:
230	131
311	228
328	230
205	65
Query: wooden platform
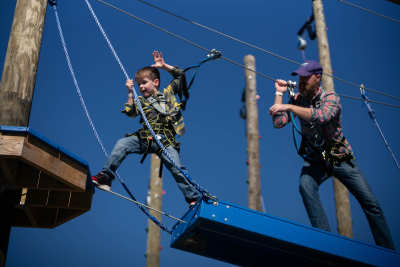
55	185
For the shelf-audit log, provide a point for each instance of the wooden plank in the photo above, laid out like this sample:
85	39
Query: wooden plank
59	199
29	177
11	146
49	164
20	219
81	200
46	217
32	214
9	168
65	215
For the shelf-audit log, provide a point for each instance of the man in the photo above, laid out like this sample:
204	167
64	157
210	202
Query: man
319	114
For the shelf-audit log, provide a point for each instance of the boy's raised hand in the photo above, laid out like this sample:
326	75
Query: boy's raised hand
159	60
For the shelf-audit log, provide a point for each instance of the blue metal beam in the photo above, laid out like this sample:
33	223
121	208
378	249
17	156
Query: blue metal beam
245	237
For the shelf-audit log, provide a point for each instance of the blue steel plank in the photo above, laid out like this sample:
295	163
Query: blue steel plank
73	157
237	227
12	129
42	139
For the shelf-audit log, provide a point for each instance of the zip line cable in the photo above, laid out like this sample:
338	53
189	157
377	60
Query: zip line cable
253	46
230	37
183	39
138	203
365	10
227	59
376	102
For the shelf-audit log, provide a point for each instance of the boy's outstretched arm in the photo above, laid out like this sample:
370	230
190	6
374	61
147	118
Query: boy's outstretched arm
159	62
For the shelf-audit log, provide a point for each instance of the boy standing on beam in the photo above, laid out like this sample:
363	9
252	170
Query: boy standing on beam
163	113
320	115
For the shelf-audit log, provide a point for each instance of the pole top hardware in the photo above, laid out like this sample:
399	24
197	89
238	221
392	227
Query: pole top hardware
290	86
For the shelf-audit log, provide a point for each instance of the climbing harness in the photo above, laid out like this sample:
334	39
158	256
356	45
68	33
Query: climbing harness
159	104
318	152
203	191
371	113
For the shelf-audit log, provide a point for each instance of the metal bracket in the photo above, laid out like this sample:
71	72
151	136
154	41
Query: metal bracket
290	86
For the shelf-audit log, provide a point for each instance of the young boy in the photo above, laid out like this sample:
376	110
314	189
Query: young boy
165	118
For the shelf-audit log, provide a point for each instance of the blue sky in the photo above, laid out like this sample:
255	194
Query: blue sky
364	49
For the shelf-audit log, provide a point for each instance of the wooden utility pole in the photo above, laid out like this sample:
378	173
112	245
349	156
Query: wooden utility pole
343	213
16	88
154	233
252	135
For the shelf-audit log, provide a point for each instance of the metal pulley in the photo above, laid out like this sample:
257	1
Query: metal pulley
301	44
291	87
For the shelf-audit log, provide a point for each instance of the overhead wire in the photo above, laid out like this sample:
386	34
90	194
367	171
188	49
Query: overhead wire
183	39
368	11
263	50
238	64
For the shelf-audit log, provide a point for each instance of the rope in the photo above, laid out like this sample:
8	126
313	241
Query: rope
138	203
203	191
237	40
371	113
53	3
368	11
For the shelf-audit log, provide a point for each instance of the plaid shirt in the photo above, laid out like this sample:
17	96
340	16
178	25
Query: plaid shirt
328	115
151	112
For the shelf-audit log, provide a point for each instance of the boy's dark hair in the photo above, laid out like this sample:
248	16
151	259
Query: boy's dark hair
149	72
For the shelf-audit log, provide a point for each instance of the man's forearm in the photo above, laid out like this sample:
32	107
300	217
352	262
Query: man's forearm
278	99
304	113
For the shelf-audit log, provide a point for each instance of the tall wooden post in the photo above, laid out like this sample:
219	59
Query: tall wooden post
343	213
20	67
17	85
252	135
154	233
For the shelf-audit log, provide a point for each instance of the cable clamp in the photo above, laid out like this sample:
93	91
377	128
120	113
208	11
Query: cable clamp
362	90
214	54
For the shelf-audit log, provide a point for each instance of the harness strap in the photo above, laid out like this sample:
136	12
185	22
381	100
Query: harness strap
160	107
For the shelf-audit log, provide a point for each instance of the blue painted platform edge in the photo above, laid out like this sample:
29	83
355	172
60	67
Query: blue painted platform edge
42	139
12	129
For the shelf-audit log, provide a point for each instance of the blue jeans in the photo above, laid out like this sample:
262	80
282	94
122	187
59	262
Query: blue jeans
133	144
350	175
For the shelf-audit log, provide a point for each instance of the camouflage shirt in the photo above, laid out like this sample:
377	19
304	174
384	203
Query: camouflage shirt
152	114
